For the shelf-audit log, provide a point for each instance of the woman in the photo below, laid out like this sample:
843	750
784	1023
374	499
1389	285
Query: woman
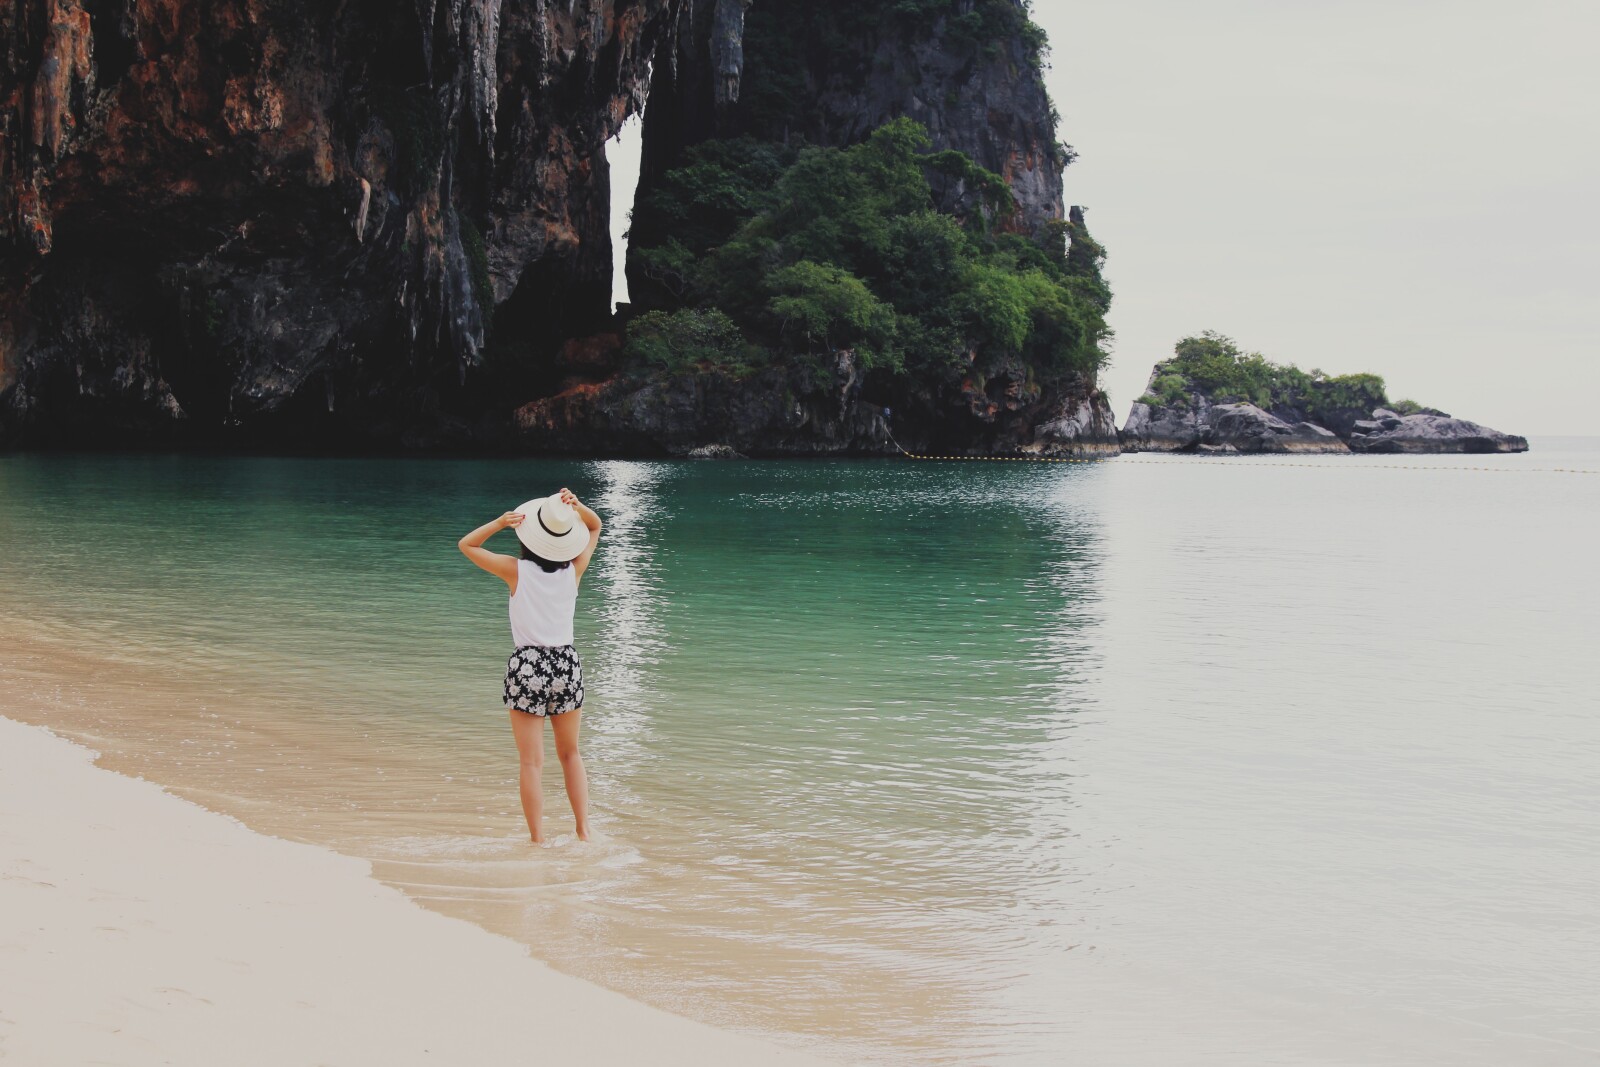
544	679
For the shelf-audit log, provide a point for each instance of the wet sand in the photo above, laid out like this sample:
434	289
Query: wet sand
137	928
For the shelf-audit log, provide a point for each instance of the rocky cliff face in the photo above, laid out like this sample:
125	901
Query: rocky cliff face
289	222
778	411
281	217
829	72
784	411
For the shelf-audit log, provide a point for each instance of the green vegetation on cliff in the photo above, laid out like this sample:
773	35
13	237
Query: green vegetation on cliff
689	338
1217	367
808	252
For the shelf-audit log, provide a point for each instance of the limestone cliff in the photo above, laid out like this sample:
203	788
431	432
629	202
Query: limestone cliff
830	72
284	217
289	222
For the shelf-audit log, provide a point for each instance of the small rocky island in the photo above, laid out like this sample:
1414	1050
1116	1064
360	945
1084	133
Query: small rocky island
1211	397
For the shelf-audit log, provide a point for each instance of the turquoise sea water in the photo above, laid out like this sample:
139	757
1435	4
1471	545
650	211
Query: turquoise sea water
1150	760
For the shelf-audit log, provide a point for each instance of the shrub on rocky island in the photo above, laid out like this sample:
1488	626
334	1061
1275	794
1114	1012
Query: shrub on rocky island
1213	365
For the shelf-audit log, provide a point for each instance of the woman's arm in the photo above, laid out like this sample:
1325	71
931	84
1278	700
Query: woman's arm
592	521
501	566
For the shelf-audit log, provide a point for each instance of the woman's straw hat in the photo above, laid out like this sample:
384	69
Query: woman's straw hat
551	529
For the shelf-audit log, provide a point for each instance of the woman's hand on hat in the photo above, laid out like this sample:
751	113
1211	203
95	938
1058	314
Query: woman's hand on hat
511	520
590	519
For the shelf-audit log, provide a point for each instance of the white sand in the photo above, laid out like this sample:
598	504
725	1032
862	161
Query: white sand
138	928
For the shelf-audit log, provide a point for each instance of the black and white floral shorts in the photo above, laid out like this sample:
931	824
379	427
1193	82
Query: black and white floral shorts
544	680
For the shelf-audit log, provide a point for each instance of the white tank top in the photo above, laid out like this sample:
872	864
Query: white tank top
542	606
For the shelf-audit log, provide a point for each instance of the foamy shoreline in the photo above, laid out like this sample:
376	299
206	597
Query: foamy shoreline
137	927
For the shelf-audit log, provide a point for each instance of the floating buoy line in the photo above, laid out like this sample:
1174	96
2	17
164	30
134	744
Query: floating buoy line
1123	458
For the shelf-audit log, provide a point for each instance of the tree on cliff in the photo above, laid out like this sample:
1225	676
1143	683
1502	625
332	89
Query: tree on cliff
844	248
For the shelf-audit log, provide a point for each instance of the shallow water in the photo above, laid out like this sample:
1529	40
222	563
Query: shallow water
1150	760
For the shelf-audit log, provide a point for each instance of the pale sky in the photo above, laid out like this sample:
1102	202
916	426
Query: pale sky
1407	188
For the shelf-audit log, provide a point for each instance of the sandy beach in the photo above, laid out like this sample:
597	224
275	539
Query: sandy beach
139	928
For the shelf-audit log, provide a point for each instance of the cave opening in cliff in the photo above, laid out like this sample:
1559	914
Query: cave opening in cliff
623	154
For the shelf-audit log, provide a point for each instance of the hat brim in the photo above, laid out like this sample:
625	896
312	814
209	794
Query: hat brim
557	548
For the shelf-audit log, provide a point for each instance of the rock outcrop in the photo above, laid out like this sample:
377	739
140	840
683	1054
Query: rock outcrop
1388	431
781	411
1193	422
1079	423
772	413
716	452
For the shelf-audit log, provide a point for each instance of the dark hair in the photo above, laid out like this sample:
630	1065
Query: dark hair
549	566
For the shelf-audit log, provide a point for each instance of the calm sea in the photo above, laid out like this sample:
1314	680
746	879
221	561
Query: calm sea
1154	760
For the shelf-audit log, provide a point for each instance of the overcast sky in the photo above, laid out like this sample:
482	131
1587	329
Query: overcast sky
1406	187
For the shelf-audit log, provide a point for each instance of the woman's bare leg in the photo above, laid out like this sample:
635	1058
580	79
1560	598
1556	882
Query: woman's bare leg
565	728
529	732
